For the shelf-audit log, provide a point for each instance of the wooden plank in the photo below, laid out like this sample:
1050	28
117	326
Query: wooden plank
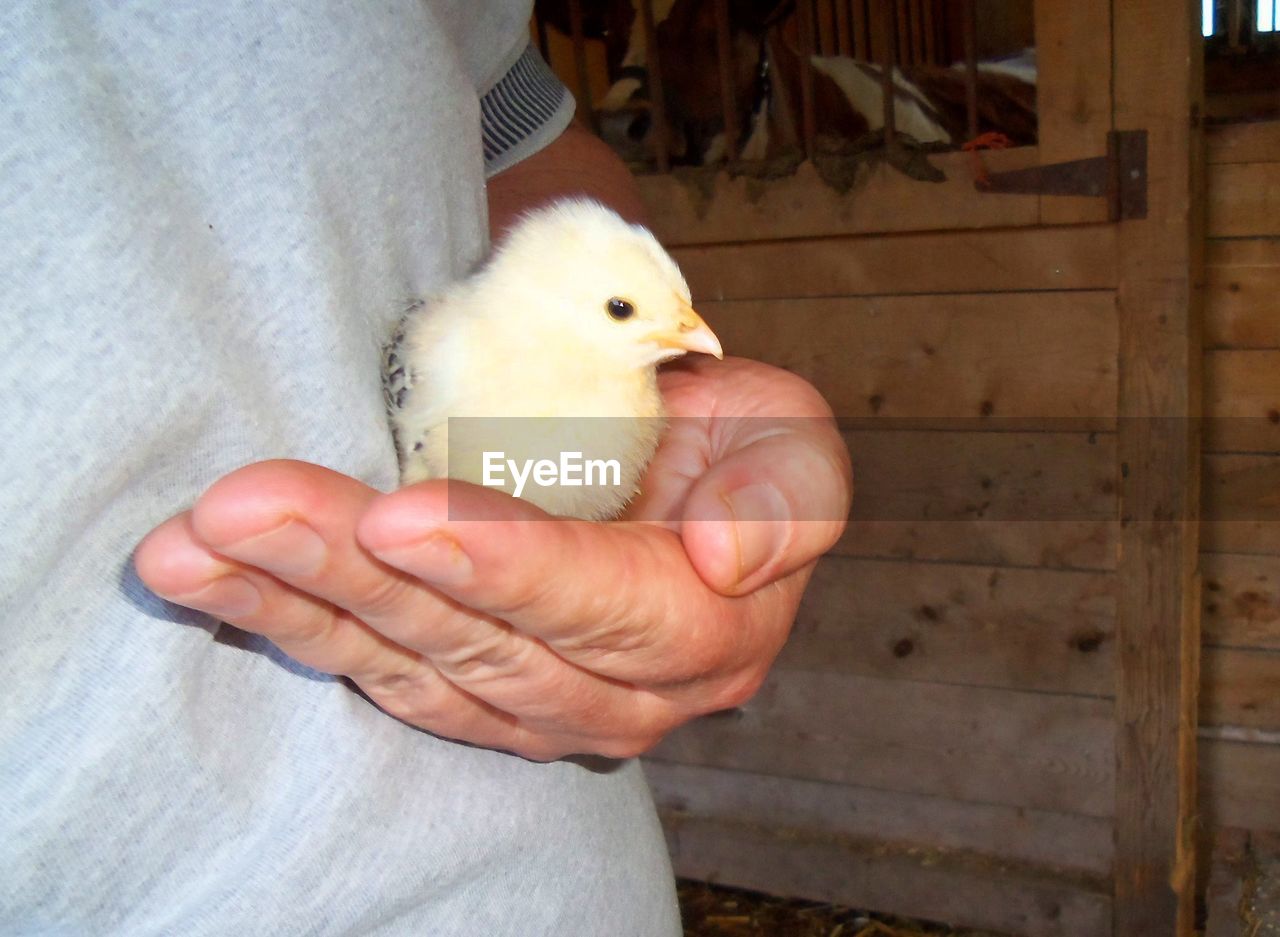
1242	401
1053	544
959	889
1228	869
1242	504
1257	142
1007	747
1073	91
1242	283
1081	257
1020	499
935	360
1046	630
704	206
1240	687
1012	834
1238	781
1241	601
1244	200
941	475
1158	81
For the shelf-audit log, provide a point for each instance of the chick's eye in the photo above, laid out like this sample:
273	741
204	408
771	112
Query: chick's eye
619	308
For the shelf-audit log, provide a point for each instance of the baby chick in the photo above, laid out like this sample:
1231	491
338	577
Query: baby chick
548	351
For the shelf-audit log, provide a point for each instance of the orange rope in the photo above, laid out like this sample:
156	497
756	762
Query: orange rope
991	140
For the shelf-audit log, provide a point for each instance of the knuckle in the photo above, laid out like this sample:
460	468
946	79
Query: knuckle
497	656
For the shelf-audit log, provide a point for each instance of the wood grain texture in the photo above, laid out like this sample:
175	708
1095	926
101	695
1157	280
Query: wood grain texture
1242	294
1242	401
1045	630
1051	544
1068	258
1241	504
1037	750
906	475
1243	143
1240	687
929	884
1241	601
1073	94
704	206
934	360
1045	839
1244	200
1238	785
1159	87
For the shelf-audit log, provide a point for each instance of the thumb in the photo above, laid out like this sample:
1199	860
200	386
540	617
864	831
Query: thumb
772	506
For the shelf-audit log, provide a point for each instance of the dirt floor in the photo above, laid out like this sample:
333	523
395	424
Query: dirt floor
717	911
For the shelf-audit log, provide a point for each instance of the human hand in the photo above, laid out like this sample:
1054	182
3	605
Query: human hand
513	631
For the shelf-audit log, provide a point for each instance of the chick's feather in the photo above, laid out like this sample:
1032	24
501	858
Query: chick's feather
551	348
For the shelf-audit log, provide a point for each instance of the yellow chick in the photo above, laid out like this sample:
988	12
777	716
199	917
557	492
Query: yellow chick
537	374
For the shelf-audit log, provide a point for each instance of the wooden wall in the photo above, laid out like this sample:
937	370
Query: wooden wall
938	737
1240	696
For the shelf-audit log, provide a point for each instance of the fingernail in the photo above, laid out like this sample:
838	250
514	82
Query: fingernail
437	558
230	597
761	517
292	549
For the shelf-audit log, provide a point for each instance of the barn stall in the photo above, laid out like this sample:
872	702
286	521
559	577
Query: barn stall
1036	687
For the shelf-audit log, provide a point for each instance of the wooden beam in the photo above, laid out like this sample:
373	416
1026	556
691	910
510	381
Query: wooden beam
1242	282
1067	258
1018	360
1242	601
1022	749
1044	838
933	884
1073	58
703	206
1047	630
1244	200
1158	87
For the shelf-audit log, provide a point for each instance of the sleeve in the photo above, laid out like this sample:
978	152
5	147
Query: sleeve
522	112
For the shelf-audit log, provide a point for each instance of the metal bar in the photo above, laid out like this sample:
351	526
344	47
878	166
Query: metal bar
930	35
580	62
917	31
889	35
728	101
844	28
904	32
804	11
657	103
861	31
971	66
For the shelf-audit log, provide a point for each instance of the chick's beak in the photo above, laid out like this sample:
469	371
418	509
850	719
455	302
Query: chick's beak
689	334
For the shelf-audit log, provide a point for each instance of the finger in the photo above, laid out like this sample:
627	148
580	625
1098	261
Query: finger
775	503
176	565
587	589
297	521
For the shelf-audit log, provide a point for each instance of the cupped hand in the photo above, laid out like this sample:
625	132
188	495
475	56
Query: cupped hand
509	629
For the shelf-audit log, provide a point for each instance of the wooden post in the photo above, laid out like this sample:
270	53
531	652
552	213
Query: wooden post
1158	87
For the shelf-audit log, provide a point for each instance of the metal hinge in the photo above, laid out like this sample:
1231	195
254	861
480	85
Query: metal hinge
1120	177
